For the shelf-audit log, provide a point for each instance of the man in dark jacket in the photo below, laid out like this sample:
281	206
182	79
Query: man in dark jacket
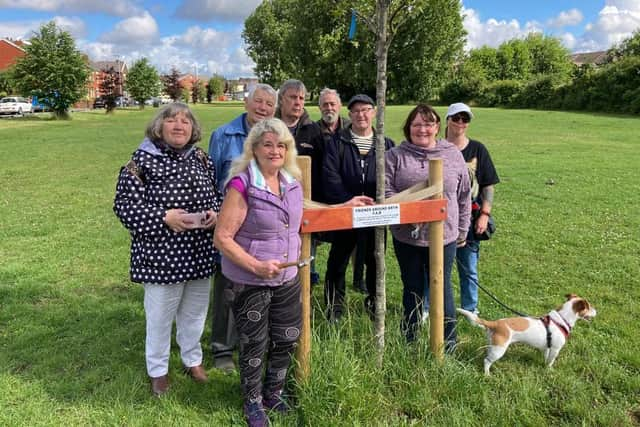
290	109
350	170
311	140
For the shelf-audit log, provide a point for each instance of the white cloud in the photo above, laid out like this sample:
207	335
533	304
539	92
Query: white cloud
493	32
222	10
73	25
616	22
24	30
111	7
134	31
566	19
210	50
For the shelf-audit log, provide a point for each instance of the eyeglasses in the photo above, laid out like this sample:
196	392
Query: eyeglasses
460	117
269	146
424	125
362	111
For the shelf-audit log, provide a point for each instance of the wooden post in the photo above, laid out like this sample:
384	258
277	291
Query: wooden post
304	343
436	270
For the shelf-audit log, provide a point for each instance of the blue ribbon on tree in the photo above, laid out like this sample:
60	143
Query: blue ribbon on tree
352	27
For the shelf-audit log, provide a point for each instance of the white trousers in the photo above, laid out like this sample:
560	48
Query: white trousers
185	302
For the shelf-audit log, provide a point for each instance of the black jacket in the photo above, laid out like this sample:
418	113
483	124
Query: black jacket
347	173
311	140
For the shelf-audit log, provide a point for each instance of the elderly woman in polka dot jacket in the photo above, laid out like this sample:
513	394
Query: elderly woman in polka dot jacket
167	198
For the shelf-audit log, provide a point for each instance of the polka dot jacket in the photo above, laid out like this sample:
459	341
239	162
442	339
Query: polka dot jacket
155	180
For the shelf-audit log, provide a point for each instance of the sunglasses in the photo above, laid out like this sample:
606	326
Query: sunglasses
460	117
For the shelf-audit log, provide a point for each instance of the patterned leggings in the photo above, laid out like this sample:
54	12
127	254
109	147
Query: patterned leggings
266	319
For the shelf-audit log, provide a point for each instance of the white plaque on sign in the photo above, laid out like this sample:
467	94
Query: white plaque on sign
371	216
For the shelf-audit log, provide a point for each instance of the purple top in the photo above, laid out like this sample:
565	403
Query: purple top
270	229
408	164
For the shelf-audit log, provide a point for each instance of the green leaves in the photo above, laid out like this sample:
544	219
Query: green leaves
53	69
143	81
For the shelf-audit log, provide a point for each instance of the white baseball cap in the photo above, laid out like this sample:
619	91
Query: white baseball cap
459	107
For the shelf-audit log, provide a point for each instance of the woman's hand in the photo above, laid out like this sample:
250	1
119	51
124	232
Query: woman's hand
358	201
482	223
211	219
268	269
174	220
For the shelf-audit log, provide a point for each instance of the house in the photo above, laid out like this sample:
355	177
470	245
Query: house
592	58
99	70
10	51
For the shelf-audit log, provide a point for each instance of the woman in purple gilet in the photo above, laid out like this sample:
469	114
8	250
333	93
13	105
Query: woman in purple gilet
257	233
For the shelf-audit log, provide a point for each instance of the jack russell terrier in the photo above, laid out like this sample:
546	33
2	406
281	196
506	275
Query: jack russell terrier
548	333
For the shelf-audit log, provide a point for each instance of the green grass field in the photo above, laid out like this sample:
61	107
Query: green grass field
72	325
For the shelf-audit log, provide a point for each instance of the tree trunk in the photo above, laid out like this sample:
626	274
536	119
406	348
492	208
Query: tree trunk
382	48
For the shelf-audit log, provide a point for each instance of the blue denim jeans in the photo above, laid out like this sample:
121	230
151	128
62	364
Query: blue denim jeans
467	260
414	271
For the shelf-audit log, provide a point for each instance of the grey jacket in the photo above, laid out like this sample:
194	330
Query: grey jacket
408	164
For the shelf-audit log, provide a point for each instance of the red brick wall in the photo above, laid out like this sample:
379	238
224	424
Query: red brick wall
8	54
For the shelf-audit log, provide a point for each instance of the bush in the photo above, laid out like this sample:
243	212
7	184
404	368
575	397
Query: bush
500	93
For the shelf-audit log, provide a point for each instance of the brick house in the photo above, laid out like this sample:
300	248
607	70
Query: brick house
10	51
98	71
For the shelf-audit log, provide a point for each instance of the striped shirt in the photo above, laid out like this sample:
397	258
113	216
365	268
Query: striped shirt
364	143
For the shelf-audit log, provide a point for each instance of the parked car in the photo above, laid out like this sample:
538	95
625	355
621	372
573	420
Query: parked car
15	105
38	106
100	102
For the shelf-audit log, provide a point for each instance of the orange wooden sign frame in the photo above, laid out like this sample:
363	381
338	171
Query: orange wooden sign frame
329	219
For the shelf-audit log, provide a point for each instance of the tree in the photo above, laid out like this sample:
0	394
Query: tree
215	87
283	44
53	70
172	86
6	83
143	81
197	91
628	47
110	88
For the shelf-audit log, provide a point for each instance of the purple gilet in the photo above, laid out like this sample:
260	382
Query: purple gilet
270	229
408	164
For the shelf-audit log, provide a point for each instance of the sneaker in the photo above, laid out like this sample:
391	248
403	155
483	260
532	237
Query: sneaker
275	402
255	414
315	278
224	363
370	307
425	317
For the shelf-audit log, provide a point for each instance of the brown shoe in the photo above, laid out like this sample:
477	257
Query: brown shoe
197	373
159	385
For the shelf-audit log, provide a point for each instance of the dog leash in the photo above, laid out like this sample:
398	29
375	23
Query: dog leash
493	297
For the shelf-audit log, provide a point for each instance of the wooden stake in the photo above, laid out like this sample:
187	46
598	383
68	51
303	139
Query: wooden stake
303	350
436	271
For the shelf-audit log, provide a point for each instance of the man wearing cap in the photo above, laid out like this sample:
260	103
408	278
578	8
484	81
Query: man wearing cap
350	170
225	145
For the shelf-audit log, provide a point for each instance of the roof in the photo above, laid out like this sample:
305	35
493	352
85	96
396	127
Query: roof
117	65
595	58
18	44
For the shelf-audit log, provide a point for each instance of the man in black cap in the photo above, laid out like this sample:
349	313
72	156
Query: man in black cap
350	170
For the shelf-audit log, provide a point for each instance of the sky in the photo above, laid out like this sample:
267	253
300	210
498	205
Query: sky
203	37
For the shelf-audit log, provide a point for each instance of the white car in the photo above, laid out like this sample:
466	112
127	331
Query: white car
15	105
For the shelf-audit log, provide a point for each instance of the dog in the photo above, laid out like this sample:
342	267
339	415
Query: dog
549	333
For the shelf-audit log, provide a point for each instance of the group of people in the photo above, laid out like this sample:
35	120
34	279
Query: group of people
235	214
